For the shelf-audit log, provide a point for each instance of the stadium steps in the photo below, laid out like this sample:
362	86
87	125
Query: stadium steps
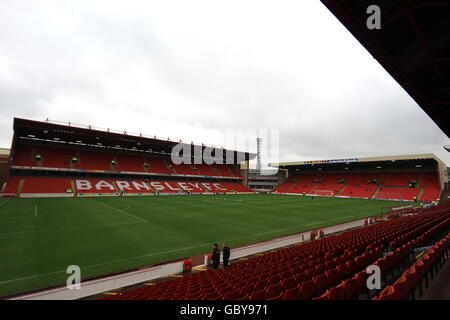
74	189
114	168
195	169
34	152
149	185
314	188
20	187
80	159
420	194
340	191
230	171
146	160
78	155
289	187
216	171
419	181
376	192
169	167
116	187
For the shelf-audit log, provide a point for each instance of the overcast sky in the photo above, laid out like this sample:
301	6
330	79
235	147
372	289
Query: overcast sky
192	69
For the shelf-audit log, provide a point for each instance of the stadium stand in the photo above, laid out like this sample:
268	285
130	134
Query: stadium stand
410	283
430	185
398	179
129	163
206	170
56	158
223	170
358	186
397	193
93	162
330	268
94	186
157	165
12	185
23	156
330	183
46	185
390	186
302	183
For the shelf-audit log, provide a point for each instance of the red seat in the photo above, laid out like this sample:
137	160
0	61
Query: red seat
332	277
322	297
301	277
212	295
401	287
231	295
246	290
306	290
291	294
274	280
260	285
388	294
288	283
273	291
350	288
258	295
320	284
336	293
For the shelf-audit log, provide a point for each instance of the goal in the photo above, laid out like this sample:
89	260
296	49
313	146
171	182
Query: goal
389	196
324	193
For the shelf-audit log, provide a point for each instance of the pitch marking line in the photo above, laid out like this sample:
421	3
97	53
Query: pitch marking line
68	228
4	202
35	210
121	211
138	257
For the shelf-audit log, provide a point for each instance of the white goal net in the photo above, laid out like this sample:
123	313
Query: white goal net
324	193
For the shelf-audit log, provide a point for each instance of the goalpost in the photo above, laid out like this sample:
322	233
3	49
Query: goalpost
391	196
395	209
324	193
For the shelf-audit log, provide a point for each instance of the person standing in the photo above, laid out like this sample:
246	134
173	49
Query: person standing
215	256
226	255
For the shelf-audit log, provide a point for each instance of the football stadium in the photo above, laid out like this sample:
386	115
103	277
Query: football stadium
138	226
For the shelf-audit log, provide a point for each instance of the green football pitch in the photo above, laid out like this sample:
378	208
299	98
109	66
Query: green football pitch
40	238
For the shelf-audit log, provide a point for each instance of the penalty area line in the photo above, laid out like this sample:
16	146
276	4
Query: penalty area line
121	211
2	203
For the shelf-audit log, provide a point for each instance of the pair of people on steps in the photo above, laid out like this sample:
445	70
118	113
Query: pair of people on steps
216	256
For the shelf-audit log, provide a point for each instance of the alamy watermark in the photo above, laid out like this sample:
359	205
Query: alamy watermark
374	280
374	20
74	280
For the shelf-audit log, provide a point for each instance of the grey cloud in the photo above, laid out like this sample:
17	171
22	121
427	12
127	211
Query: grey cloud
209	81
